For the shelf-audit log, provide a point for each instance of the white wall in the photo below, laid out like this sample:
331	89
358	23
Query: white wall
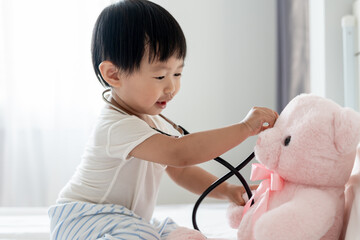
230	67
326	54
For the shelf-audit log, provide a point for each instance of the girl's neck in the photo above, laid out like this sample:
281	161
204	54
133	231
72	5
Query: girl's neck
114	100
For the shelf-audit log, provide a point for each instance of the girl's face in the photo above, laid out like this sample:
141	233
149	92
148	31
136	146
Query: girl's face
148	90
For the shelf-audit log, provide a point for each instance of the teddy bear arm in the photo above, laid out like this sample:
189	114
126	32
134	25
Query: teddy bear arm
309	215
234	215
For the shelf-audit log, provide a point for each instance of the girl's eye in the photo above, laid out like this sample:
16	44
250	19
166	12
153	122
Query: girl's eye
287	140
159	78
177	74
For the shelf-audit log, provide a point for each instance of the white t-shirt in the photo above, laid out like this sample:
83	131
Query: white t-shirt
107	174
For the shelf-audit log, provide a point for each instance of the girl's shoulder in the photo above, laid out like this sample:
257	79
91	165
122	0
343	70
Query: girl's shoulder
112	116
115	128
114	119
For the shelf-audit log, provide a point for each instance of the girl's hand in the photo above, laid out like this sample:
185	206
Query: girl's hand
235	193
258	119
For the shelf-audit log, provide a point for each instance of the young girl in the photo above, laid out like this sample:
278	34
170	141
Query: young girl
138	52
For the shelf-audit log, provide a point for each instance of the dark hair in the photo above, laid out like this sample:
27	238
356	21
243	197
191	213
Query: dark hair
124	28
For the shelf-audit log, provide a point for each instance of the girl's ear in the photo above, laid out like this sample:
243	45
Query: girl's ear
110	73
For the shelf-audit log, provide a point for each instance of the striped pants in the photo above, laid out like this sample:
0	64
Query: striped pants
79	220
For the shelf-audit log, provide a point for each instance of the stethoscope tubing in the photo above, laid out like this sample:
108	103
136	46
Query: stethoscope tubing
233	171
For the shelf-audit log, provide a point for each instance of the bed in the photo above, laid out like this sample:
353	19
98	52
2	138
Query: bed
33	223
24	223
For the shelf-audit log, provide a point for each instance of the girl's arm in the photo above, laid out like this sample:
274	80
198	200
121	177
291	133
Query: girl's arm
202	146
197	180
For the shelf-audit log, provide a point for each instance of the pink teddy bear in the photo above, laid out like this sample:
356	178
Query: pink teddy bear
306	160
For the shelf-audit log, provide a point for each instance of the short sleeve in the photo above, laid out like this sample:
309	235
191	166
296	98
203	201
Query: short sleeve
125	135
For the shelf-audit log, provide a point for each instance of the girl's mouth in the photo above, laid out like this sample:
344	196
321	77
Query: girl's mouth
161	104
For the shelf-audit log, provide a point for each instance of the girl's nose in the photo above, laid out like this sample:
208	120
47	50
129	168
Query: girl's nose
170	87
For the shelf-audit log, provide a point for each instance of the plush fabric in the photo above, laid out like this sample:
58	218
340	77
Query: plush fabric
350	228
311	150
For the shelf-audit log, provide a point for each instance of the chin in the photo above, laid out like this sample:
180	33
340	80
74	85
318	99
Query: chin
154	112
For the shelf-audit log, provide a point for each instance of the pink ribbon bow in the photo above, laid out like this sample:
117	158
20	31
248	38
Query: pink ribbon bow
271	182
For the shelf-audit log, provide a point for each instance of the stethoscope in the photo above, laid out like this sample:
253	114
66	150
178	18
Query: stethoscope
183	132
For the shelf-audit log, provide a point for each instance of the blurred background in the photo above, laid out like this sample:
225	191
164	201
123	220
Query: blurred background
241	53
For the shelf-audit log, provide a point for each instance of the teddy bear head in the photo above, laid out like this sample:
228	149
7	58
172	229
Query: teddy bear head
313	142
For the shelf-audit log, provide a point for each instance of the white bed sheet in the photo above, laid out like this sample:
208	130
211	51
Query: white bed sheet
210	218
24	223
33	223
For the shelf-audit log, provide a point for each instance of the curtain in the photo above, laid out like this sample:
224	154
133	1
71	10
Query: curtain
49	95
293	50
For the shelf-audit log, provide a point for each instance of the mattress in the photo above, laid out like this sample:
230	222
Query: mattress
210	218
33	223
24	223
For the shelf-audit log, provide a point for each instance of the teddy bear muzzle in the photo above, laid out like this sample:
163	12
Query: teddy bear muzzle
267	148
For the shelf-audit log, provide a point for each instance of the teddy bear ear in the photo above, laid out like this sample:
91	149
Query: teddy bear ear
347	130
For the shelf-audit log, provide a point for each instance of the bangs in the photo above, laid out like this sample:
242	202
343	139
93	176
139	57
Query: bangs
164	37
